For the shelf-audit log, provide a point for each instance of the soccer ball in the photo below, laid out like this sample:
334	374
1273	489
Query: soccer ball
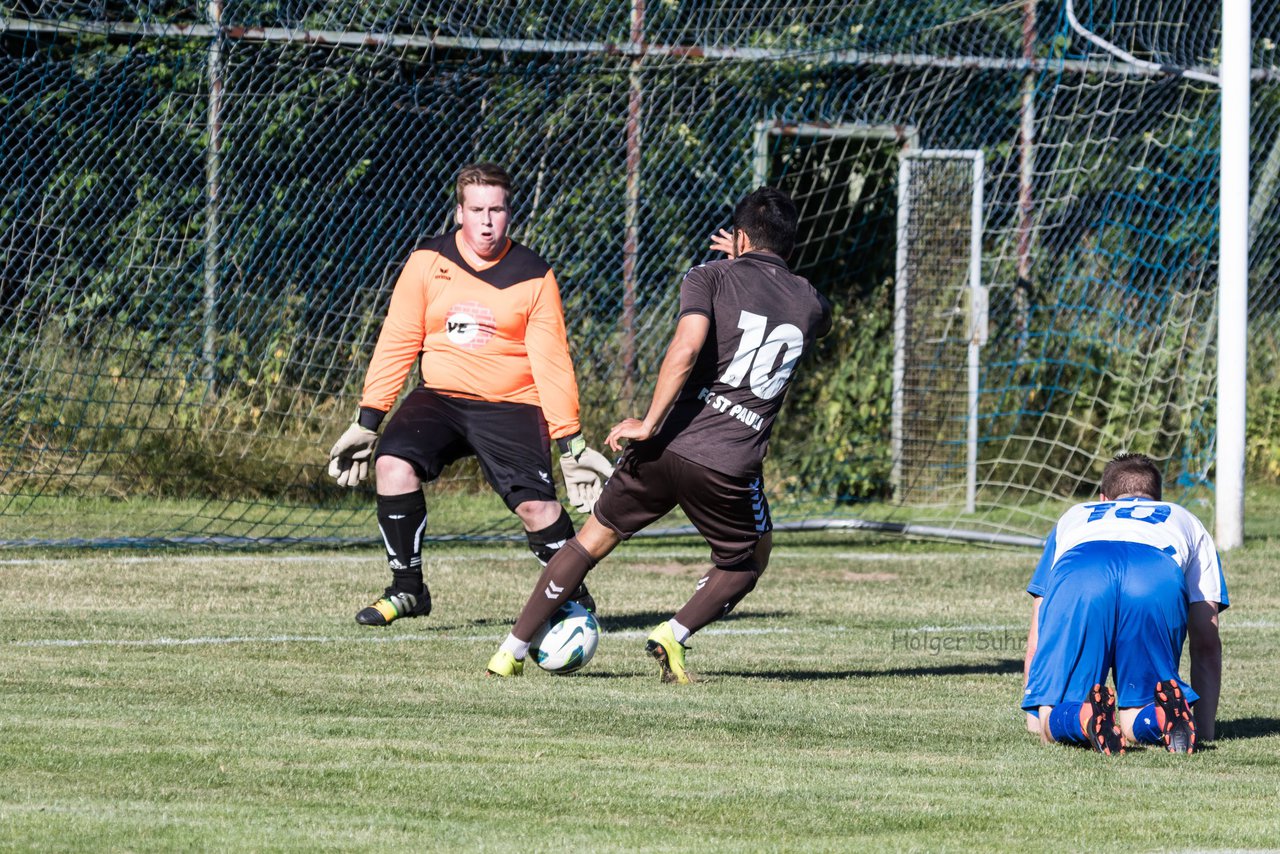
567	641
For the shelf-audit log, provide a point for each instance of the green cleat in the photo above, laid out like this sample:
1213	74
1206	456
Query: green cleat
669	653
393	605
504	664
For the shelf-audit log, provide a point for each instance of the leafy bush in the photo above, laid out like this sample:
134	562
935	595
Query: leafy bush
833	439
104	423
1263	401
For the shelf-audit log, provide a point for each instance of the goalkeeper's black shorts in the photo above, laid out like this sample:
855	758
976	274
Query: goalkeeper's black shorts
430	430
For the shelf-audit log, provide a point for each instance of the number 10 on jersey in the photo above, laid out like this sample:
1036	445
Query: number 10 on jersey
757	355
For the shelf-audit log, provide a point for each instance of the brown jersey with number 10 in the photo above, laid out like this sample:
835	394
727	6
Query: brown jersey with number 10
763	318
494	334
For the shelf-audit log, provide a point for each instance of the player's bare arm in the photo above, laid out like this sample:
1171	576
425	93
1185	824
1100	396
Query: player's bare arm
1033	722
682	352
1205	646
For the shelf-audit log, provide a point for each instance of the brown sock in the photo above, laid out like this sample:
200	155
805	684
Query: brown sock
718	591
559	580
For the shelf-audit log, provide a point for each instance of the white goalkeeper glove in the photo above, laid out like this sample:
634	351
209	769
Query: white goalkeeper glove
585	472
349	457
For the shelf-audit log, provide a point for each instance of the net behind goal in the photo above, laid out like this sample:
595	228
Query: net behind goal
204	209
940	325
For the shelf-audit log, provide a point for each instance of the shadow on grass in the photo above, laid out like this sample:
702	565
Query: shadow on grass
990	668
1248	728
996	668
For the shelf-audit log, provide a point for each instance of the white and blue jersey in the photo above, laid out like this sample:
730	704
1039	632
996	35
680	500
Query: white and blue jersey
1116	578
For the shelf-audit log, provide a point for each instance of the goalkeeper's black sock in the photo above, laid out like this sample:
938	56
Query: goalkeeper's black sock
545	543
403	519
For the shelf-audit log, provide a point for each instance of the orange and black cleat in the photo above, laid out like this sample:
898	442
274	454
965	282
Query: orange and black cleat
1173	716
1098	720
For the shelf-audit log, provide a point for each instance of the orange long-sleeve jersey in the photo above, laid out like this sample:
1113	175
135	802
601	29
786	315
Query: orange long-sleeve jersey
495	334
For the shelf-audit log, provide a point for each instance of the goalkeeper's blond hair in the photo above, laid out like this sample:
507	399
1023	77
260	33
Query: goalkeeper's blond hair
483	175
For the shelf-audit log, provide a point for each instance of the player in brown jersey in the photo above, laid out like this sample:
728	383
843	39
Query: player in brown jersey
482	316
744	323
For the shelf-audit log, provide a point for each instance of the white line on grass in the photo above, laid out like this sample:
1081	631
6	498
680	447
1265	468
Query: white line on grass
484	638
488	638
972	628
1240	624
254	558
514	554
283	639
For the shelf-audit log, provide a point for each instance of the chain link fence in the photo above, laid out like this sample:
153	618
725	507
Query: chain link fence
204	208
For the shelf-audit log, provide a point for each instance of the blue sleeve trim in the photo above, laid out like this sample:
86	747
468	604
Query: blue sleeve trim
1040	578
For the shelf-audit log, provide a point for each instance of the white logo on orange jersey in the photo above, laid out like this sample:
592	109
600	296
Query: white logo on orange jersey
470	325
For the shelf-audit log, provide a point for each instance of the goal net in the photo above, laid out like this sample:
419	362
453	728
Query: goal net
940	323
204	207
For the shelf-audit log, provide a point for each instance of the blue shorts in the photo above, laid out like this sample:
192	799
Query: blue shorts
1109	606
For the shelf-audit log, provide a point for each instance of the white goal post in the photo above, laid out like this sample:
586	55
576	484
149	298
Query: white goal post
1233	274
938	285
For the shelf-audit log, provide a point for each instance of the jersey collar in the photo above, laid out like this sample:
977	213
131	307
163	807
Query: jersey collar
764	257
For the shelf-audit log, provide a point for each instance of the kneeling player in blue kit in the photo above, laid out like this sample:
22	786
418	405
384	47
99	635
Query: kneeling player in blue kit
1123	581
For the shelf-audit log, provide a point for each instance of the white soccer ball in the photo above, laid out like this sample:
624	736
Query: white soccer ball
567	641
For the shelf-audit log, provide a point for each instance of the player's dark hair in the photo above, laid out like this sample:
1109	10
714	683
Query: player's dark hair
1131	474
483	175
768	217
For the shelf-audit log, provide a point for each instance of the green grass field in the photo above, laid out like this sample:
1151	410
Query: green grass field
863	697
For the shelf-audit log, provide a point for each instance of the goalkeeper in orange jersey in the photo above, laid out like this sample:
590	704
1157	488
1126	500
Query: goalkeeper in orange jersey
482	316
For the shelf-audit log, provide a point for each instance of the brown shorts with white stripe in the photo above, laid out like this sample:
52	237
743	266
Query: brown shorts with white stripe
730	512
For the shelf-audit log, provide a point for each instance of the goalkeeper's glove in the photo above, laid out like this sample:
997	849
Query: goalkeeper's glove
584	470
349	457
